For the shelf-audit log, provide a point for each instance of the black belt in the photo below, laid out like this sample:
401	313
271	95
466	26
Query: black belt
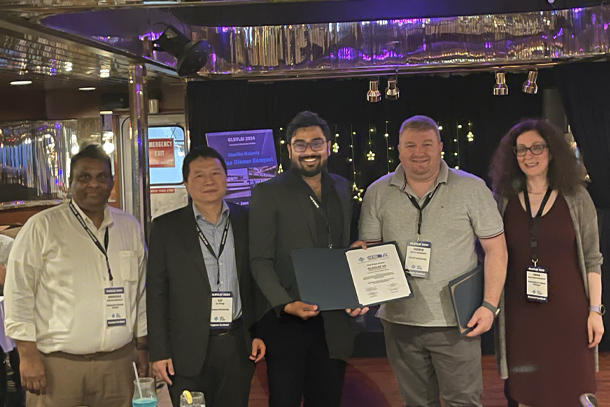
237	324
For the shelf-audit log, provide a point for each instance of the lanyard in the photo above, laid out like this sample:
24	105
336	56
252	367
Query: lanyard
420	209
103	249
207	244
533	222
330	238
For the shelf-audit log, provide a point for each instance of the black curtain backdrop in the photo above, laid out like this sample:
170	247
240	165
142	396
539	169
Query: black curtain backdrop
451	101
239	105
585	94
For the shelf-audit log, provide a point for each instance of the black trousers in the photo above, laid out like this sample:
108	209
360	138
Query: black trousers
298	363
226	375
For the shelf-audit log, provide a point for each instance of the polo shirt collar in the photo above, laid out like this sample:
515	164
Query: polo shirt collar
400	180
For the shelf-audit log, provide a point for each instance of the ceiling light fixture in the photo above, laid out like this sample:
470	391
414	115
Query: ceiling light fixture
21	83
373	95
190	56
530	86
392	92
500	88
87	89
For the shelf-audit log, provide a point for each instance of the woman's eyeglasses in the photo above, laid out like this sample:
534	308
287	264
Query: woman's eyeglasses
536	149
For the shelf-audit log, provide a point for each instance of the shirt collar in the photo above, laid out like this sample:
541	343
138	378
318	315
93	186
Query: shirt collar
399	179
224	213
108	219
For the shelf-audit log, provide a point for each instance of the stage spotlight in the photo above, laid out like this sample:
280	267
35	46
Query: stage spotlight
191	56
373	95
392	92
500	88
530	86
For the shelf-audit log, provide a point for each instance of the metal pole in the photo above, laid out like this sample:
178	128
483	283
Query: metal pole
138	115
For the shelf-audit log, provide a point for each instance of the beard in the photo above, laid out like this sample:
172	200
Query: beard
306	171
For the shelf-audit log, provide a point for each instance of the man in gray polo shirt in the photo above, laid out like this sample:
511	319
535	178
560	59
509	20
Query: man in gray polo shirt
439	213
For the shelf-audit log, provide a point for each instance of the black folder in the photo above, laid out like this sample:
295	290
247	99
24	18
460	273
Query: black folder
324	279
467	296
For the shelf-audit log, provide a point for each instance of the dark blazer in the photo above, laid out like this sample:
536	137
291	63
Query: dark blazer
282	218
178	289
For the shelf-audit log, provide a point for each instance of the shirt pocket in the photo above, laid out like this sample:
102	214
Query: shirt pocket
129	265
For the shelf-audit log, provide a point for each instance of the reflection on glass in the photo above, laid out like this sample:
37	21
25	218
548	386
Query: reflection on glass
35	158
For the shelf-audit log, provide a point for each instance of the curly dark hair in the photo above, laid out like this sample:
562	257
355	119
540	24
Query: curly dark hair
564	173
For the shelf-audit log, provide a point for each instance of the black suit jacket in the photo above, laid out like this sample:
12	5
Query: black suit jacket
282	218
178	289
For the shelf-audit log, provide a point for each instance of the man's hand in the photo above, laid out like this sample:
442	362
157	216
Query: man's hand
595	328
301	310
258	350
358	311
2	274
143	363
162	369
33	377
483	318
358	243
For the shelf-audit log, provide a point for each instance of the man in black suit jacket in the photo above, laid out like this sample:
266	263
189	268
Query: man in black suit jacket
304	207
200	291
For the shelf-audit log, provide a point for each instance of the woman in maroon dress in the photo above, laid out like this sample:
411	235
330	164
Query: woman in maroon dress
551	320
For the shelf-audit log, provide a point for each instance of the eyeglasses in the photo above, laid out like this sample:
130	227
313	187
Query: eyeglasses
316	145
536	149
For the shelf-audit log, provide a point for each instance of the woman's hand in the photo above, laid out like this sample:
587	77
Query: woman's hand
595	328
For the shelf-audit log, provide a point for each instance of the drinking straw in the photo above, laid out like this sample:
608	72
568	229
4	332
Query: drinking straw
135	369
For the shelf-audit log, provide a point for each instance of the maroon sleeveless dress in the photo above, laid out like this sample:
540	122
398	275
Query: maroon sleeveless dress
549	361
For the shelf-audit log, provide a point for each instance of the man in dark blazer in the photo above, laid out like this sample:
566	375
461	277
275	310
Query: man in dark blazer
200	291
301	208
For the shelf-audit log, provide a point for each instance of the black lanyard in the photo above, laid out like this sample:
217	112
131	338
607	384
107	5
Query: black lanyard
330	237
207	244
420	209
103	249
533	222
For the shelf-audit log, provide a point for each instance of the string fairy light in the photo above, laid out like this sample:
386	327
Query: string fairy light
356	190
335	146
370	156
387	146
280	168
470	135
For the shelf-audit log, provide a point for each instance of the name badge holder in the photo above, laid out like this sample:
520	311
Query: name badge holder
419	252
222	301
115	309
537	277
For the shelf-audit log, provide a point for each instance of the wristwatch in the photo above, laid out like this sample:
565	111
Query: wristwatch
600	309
490	307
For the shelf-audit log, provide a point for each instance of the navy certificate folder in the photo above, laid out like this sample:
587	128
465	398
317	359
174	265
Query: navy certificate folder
324	279
467	296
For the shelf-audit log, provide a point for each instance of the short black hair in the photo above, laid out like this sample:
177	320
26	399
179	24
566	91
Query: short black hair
94	151
203	152
306	119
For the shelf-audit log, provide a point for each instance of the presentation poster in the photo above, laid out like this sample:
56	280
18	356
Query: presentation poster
250	157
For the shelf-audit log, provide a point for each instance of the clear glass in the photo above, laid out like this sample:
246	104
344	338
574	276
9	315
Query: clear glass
148	397
198	400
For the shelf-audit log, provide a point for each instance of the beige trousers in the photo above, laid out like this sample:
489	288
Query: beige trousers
97	380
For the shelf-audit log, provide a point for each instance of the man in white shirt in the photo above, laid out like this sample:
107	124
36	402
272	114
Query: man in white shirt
74	295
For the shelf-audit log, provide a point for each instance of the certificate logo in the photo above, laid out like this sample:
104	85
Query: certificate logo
377	256
361	259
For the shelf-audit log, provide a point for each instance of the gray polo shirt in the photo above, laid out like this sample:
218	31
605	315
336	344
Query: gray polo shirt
461	210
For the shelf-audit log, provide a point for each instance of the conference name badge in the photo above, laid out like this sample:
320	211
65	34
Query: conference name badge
417	262
116	314
222	310
537	284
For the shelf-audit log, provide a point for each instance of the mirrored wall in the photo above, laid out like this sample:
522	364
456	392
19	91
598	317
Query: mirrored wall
35	158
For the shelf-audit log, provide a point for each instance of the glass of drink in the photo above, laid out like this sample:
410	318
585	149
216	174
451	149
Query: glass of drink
144	395
193	398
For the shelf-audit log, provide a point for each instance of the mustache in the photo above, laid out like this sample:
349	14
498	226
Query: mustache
304	157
